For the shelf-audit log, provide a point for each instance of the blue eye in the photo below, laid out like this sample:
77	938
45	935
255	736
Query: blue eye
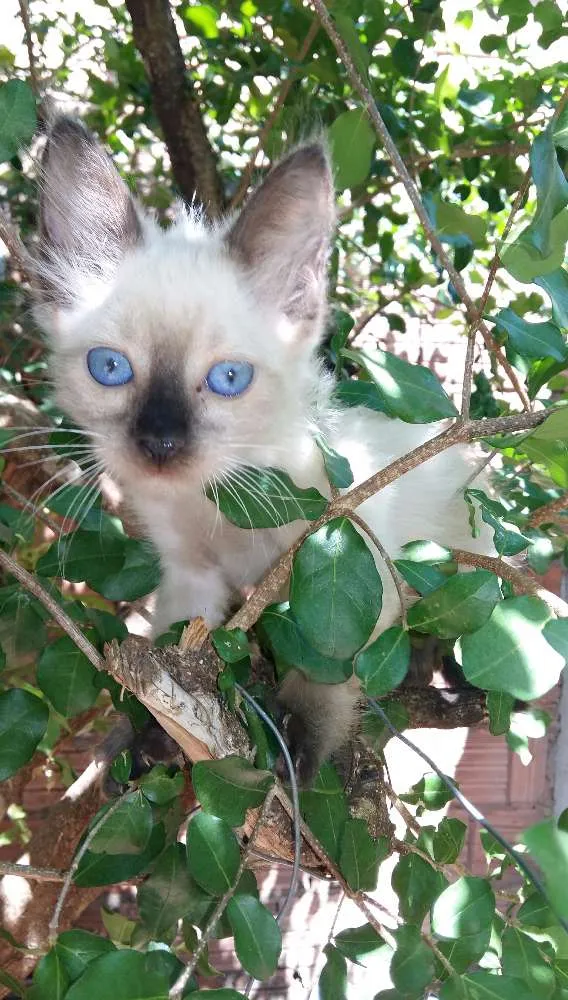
229	378
109	367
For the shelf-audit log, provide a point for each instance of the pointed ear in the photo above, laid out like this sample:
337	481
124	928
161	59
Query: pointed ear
88	218
282	235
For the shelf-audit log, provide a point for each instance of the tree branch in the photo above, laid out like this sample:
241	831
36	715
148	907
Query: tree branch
191	155
412	191
522	581
549	512
11	239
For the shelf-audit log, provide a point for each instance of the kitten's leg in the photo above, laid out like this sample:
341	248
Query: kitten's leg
187	593
321	718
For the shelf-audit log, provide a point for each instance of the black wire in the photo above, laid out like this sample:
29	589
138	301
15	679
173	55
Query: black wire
295	796
471	809
295	806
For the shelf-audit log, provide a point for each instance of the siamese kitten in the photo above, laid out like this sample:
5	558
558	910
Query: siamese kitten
190	353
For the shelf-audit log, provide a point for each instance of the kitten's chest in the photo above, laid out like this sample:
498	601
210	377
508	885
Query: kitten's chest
189	532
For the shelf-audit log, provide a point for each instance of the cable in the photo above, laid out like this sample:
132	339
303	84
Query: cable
470	808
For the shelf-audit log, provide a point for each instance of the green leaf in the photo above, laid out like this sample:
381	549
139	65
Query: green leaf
560	129
139	575
457	227
510	653
232	644
448	841
383	665
335	589
278	628
536	912
352	141
77	949
67	678
122	975
464	951
202	18
556	633
332	983
555	285
17	117
355	392
554	427
162	898
360	855
410	392
86	557
228	787
213	854
522	957
104	869
465	908
23	722
258	940
485	986
127	830
551	455
429	793
507	538
416	884
50	979
121	767
337	467
265	498
358	942
552	191
421	577
525	263
462	604
500	705
412	965
159	786
548	844
324	807
532	340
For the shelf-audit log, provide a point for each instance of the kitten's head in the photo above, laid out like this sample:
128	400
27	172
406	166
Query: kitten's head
186	351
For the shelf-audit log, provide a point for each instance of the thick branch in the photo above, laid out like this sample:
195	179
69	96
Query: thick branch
550	512
191	155
441	708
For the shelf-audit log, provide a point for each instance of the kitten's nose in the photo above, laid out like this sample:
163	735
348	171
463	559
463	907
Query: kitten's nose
160	449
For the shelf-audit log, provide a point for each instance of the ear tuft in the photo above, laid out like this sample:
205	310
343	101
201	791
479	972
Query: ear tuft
282	235
88	218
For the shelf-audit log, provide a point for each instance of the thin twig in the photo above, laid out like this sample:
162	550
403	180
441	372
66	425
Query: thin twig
34	79
396	577
11	239
458	433
522	580
410	187
182	980
547	513
56	611
29	871
54	922
24	502
269	123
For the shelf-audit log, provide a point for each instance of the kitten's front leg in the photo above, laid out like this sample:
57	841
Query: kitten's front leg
320	720
189	593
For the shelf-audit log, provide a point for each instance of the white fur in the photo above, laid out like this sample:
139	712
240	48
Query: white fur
189	297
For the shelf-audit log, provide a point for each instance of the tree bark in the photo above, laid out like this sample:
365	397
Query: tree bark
191	155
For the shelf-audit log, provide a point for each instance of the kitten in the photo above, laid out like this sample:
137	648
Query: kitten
191	352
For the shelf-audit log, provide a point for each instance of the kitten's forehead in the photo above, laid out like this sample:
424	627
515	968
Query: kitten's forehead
185	296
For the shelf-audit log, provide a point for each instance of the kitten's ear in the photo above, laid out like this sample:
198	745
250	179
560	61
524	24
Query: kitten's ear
88	218
283	233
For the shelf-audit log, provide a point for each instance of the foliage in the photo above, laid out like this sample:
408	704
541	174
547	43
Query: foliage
462	129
